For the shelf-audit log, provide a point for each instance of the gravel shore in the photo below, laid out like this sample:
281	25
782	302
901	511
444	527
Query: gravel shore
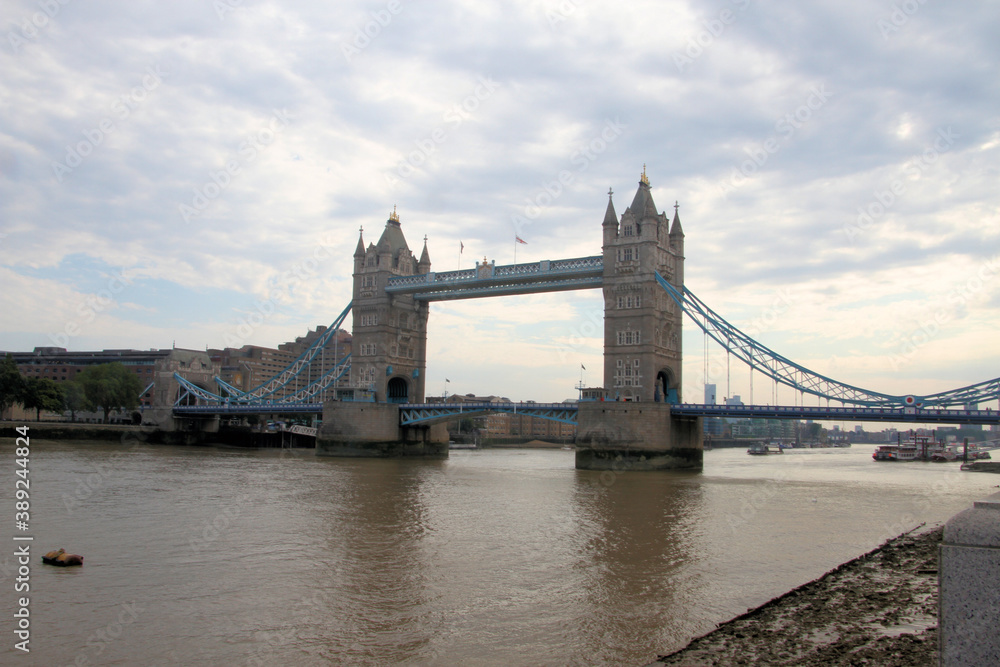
879	609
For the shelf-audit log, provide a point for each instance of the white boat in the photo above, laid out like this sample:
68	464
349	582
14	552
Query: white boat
916	448
900	452
760	449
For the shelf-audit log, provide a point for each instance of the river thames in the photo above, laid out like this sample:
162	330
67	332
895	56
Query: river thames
209	556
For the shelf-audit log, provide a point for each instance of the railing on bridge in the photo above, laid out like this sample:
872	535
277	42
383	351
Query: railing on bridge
543	276
427	413
781	369
226	408
852	413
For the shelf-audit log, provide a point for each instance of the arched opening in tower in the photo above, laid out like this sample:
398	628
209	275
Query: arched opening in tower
666	387
397	391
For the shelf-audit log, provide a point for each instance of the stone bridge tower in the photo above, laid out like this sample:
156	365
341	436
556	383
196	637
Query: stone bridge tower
642	324
389	354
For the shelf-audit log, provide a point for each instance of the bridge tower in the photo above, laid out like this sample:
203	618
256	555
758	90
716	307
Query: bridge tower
633	428
642	325
389	354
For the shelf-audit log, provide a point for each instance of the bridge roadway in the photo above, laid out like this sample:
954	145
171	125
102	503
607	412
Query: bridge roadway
489	280
426	413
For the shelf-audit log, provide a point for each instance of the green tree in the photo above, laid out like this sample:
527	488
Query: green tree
110	386
11	383
42	394
74	398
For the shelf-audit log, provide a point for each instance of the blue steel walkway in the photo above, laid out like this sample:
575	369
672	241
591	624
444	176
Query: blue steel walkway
428	413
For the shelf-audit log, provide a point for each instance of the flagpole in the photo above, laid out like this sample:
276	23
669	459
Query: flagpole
515	249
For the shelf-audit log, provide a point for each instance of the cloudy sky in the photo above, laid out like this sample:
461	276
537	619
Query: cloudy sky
172	172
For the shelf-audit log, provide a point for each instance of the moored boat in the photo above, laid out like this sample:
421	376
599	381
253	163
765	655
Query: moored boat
760	449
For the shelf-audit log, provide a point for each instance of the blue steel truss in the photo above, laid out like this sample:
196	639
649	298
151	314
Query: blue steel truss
266	407
787	372
263	394
544	276
291	373
189	389
885	414
428	413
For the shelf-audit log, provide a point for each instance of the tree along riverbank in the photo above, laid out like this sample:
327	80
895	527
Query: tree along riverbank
878	609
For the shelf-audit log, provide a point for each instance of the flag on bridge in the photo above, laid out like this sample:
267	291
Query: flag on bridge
520	240
583	367
461	247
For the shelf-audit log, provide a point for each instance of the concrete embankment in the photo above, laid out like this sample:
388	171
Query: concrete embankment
236	437
879	609
69	430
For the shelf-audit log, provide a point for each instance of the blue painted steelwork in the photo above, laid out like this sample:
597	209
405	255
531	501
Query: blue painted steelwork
191	389
266	407
280	381
544	276
228	388
884	414
428	413
787	372
323	383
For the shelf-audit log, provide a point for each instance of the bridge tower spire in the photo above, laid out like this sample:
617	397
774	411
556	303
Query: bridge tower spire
389	356
642	326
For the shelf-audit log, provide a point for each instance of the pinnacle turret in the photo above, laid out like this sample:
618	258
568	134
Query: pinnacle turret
360	250
675	226
424	265
610	217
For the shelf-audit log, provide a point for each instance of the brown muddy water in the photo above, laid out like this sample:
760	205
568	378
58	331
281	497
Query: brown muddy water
209	556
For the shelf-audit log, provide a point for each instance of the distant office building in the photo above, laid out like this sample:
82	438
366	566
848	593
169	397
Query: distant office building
735	400
60	365
709	394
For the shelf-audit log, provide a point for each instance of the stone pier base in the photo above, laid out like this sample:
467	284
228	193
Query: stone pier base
372	430
970	559
636	436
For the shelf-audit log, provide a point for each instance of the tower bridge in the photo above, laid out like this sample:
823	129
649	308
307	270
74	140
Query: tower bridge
636	419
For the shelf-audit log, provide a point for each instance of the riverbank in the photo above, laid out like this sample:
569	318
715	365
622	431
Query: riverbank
879	609
67	430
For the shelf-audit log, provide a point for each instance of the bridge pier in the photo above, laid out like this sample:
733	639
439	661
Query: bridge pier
357	429
612	435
